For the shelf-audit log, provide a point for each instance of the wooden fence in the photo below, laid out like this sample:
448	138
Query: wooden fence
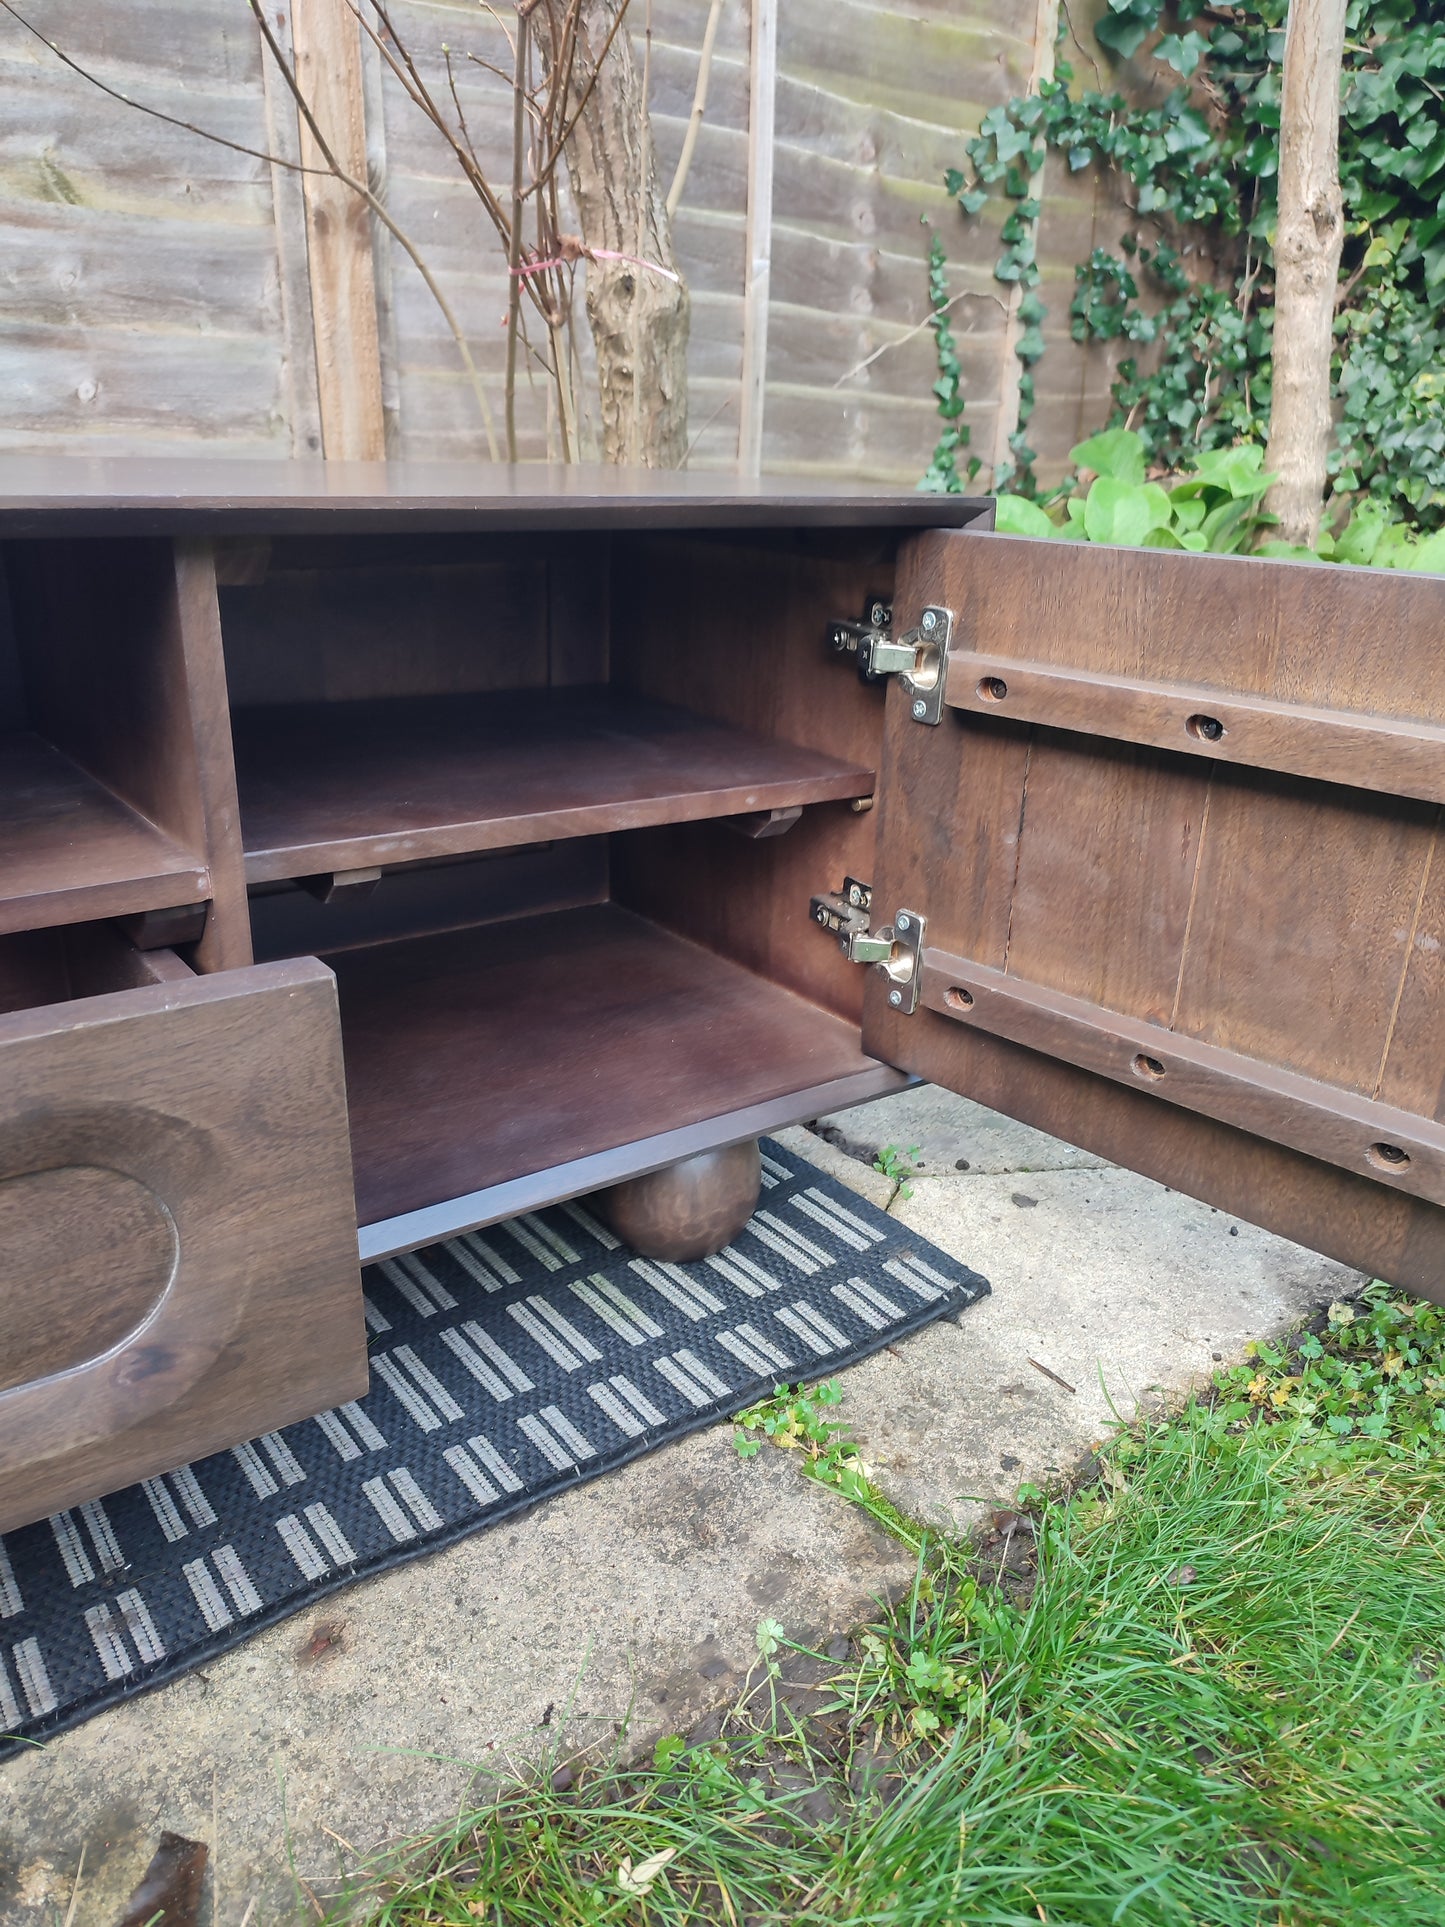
166	294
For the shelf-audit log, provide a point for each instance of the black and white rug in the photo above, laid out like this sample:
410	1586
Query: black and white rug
506	1366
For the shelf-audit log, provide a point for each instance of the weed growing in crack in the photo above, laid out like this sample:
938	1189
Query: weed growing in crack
898	1167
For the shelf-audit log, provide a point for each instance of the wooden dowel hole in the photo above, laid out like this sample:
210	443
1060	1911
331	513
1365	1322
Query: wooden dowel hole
1149	1067
958	999
1208	729
992	689
1388	1157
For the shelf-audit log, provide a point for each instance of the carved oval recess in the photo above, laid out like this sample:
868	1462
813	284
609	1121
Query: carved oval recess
105	1249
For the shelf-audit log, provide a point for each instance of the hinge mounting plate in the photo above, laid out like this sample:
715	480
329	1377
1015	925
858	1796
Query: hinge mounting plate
895	950
925	679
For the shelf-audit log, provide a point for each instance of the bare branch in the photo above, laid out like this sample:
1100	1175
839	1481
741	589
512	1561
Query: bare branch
514	238
699	107
968	294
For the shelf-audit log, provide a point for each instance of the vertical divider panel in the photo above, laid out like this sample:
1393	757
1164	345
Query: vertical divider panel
226	940
120	645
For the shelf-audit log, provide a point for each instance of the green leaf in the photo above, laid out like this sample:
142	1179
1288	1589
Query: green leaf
1118	453
1182	51
1430	556
1120	35
1016	515
1360	537
1124	512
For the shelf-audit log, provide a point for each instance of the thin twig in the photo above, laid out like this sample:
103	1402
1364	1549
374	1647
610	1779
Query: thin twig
1053	1375
75	1889
699	107
968	294
514	238
156	113
1344	1629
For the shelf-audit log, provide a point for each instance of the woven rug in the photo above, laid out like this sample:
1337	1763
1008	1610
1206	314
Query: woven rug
505	1367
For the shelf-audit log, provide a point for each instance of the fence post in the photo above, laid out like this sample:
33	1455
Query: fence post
340	268
758	251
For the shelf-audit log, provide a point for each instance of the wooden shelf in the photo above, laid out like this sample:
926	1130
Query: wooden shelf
349	785
480	1056
71	851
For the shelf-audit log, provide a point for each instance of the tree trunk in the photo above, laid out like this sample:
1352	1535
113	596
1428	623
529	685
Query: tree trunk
639	319
1307	264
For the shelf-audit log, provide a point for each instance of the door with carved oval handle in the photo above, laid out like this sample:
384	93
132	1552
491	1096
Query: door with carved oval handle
178	1258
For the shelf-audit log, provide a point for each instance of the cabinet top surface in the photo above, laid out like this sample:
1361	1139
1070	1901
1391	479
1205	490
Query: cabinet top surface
69	494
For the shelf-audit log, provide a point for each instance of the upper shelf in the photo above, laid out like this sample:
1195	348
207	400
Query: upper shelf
71	850
351	785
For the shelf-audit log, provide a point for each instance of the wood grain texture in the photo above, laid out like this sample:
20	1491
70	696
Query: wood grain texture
120	644
578	1177
327	42
1401	758
755	617
50	495
1260	915
222	1100
225	943
142	301
71	850
1400	1148
613	1028
344	785
326	623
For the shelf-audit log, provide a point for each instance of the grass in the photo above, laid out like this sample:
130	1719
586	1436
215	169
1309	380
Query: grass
1204	1685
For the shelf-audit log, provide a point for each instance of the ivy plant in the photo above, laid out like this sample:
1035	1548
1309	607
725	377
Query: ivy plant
1217	506
1191	290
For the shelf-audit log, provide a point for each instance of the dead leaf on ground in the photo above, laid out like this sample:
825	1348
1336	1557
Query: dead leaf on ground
170	1893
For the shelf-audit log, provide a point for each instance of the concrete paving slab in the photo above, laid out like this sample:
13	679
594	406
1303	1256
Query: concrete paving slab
639	1596
953	1134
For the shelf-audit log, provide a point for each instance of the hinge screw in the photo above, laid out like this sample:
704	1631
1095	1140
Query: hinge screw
920	710
895	997
930	621
905	922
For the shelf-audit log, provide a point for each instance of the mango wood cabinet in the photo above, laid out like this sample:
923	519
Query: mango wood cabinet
402	849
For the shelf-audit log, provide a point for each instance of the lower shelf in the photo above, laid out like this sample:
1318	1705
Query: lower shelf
477	1059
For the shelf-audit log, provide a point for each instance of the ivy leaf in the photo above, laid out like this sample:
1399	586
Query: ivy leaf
1183	52
1430	556
1016	515
1124	512
1122	36
1118	454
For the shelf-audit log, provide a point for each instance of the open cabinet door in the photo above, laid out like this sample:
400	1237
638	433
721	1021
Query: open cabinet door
1174	843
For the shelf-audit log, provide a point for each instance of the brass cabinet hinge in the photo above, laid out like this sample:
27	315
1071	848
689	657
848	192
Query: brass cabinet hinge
895	950
919	658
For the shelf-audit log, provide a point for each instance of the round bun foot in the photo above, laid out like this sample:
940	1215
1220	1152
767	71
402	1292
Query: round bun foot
689	1210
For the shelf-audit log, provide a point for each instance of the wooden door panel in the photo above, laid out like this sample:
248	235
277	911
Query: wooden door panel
1211	957
178	1258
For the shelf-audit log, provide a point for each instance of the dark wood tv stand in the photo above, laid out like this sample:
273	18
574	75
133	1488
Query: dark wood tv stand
552	778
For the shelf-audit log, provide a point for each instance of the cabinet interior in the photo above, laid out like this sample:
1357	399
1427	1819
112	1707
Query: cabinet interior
553	810
96	790
552	807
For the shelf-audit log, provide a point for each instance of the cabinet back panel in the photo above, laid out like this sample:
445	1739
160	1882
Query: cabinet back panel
342	621
738	630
